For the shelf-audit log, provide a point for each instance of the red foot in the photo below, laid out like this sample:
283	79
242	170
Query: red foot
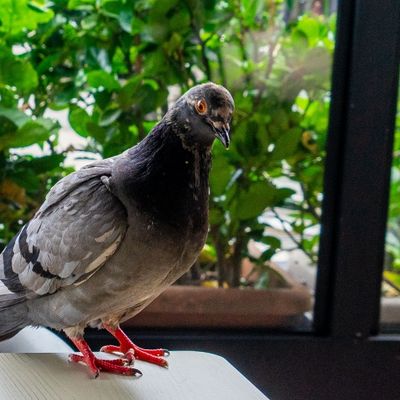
95	364
131	352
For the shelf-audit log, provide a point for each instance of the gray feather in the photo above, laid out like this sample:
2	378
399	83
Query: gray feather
13	315
78	227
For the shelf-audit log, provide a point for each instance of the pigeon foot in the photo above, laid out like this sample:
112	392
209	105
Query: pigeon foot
131	351
95	365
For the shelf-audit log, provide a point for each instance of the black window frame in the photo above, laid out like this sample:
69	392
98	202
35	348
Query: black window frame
344	356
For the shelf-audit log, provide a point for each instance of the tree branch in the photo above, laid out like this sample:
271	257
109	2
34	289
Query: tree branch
298	243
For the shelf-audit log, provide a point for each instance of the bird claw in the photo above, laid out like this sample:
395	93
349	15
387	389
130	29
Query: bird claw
133	352
116	366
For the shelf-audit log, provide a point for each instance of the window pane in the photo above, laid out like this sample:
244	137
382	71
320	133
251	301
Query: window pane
108	71
266	191
390	302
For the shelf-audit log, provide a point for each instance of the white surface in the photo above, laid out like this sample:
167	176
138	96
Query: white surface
34	340
191	376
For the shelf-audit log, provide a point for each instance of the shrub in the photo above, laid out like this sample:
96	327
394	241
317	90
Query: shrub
112	64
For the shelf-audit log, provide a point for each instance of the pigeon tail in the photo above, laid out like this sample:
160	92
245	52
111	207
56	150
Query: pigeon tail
13	315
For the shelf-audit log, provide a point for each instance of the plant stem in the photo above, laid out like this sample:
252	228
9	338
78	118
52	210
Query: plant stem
220	250
236	259
310	208
298	243
196	30
221	68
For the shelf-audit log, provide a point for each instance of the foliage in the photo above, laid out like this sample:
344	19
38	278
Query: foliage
392	261
113	63
282	105
24	179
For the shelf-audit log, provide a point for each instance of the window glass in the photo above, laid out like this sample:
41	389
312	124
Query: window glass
86	80
390	301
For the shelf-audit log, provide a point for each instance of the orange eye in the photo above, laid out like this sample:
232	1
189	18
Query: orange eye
201	106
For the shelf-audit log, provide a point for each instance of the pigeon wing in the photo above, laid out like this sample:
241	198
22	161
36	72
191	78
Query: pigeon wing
79	226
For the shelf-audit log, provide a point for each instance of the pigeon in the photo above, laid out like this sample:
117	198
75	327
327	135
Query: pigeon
110	237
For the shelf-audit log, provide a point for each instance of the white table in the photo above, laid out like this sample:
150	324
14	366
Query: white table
35	340
191	376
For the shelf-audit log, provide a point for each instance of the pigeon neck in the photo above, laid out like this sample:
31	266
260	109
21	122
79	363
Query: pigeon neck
170	179
178	162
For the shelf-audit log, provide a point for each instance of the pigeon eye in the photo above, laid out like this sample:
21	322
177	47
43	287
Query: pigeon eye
201	106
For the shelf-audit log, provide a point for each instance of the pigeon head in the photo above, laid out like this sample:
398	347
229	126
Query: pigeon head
204	113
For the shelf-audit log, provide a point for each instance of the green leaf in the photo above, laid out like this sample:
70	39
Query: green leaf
145	94
79	118
31	132
125	19
250	9
271	241
126	95
81	4
8	97
283	194
109	117
41	164
47	63
252	203
118	62
18	117
7	126
97	132
120	11
220	176
89	22
17	72
19	15
180	20
286	144
99	78
311	27
26	178
19	130
216	216
266	255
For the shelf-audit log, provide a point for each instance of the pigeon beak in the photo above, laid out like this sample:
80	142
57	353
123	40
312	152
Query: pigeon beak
222	133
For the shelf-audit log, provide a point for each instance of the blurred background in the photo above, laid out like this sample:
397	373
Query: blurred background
82	80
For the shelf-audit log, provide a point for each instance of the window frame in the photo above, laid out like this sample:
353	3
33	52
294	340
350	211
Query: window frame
359	158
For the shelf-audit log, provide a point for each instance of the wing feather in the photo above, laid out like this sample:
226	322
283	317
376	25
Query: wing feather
78	227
